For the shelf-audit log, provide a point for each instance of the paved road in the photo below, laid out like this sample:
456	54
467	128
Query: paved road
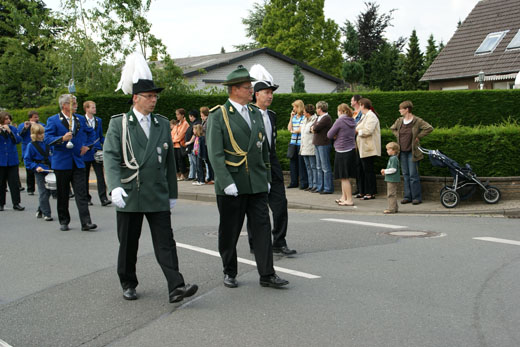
374	289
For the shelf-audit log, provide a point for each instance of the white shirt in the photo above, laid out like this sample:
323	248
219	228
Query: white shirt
144	121
91	121
267	125
242	109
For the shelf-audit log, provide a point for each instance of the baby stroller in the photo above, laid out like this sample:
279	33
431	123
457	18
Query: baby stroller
465	181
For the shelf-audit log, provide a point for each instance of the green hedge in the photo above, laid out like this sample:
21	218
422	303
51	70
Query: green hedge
492	151
444	109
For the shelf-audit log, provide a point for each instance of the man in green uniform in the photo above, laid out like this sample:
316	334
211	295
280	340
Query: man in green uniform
239	154
140	172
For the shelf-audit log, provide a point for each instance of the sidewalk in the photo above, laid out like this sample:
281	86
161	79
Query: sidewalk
299	199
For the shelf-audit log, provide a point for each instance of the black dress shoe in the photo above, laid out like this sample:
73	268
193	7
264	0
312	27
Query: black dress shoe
17	207
105	202
183	292
230	282
273	281
30	193
64	227
88	227
1	207
129	294
90	203
22	189
291	186
284	250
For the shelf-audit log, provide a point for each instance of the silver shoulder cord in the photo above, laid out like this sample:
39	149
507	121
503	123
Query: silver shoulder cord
127	147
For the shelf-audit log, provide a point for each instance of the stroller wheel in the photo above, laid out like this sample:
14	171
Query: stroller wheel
450	198
443	189
492	195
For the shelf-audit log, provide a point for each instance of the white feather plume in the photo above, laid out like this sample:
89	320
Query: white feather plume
135	69
260	74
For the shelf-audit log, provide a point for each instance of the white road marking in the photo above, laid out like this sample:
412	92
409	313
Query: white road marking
247	261
377	225
4	344
494	239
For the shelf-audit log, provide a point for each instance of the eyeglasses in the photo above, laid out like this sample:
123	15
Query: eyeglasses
247	87
150	96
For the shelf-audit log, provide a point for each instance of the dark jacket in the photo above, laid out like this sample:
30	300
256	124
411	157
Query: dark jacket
321	128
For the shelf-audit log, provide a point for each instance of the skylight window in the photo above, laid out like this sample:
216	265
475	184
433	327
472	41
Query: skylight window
515	42
491	42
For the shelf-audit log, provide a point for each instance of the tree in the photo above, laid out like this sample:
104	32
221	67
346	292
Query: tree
384	64
351	44
253	22
299	84
352	73
431	52
413	66
370	27
222	50
298	29
27	34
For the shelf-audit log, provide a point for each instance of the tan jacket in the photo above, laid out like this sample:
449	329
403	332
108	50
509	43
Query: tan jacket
368	139
420	128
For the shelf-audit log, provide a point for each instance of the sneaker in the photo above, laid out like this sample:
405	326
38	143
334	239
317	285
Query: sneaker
39	214
48	218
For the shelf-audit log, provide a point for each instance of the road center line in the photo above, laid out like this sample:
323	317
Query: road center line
247	261
4	344
494	239
377	225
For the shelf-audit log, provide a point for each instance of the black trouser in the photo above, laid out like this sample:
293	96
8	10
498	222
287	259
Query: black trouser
64	178
180	160
369	175
9	175
278	206
100	178
360	177
30	180
232	212
128	232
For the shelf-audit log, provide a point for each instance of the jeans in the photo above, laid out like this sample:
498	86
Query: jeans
200	168
43	194
412	182
193	165
312	174
324	170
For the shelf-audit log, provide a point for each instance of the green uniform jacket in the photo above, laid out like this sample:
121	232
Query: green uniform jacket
255	177
156	183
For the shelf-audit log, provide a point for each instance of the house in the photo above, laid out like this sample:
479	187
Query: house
211	70
487	42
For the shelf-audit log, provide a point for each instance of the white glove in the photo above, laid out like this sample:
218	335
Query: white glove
117	197
268	187
172	203
231	190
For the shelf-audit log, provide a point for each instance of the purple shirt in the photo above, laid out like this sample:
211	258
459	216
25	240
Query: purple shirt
344	129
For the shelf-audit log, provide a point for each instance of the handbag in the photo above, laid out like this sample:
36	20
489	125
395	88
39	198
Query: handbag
184	151
291	151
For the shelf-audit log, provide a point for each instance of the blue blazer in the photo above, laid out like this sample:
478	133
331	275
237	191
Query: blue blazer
33	158
98	134
8	151
25	134
82	135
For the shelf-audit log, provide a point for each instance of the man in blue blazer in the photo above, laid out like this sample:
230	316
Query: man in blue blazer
67	159
96	124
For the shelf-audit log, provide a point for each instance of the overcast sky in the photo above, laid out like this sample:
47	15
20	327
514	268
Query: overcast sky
200	27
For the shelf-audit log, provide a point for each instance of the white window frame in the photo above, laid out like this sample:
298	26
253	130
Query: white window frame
499	34
459	87
517	46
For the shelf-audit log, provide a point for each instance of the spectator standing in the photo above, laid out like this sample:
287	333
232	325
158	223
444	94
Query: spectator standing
179	143
360	177
189	139
199	152
344	134
204	113
97	125
368	141
9	161
36	159
307	149
297	166
409	129
392	177
322	142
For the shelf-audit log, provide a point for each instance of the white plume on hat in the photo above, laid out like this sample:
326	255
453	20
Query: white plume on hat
259	73
135	69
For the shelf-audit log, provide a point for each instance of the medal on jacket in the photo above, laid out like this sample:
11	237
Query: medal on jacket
159	157
261	138
165	146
